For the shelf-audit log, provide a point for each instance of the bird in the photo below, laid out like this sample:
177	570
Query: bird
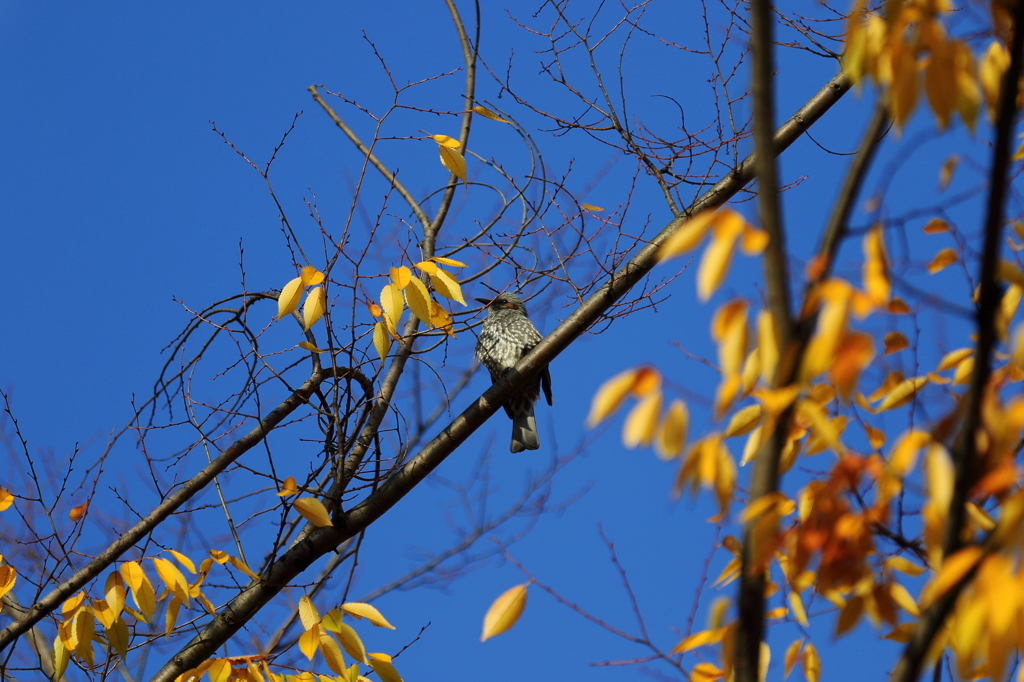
505	337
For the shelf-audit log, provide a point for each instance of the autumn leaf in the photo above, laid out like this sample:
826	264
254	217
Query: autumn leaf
381	664
440	319
448	261
671	437
453	161
419	300
308	614
641	424
942	260
313	511
504	612
391	302
895	342
288	487
876	267
6	499
332	654
445	141
401	277
688	236
78	512
947	170
714	264
310	276
936	226
360	610
487	113
381	340
639	381
591	208
315	307
288	300
172	578
446	285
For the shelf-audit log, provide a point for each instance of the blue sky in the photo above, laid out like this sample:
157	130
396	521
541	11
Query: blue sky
120	208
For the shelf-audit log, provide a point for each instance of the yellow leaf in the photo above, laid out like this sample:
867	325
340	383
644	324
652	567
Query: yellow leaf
903	599
453	161
183	560
902	393
374	309
401	276
947	170
381	664
995	62
288	487
313	511
308	614
117	637
953	569
504	612
876	267
172	578
775	401
440	318
61	657
240	565
942	260
792	651
219	556
487	113
699	639
142	589
591	207
171	615
332	654
776	613
391	302
448	261
445	141
104	614
963	372
954	358
360	610
446	285
753	241
288	300
901	633
309	642
418	300
381	340
6	499
316	306
904	454
811	663
310	276
350	640
744	421
706	672
640	425
69	605
796	604
714	264
671	436
78	512
936	226
688	236
894	342
610	395
767	345
114	593
306	345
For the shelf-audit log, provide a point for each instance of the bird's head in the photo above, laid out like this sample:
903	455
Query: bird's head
505	301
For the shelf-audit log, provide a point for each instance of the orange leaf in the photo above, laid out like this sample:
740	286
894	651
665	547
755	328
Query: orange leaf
936	226
895	342
78	512
942	260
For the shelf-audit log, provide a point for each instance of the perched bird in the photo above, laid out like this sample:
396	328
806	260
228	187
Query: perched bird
505	337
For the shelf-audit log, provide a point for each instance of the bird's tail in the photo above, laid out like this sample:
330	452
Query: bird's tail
524	431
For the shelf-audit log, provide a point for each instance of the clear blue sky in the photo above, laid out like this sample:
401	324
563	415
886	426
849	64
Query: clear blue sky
117	200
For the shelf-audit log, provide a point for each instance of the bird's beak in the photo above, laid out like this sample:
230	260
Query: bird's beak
485	301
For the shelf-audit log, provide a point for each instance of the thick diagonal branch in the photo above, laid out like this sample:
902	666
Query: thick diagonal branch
319	541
